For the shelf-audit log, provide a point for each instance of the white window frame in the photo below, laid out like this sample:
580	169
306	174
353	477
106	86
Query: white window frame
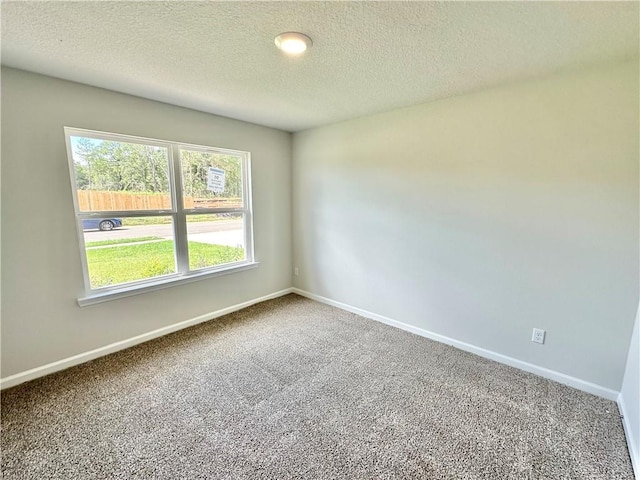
177	212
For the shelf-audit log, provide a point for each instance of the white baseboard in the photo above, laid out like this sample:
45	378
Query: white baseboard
630	434
482	352
34	373
114	347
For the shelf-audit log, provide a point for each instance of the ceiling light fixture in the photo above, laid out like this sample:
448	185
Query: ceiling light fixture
293	43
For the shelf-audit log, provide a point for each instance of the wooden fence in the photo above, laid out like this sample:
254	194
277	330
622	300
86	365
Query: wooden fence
96	200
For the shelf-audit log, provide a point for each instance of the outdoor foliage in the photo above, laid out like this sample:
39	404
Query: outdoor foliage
195	167
119	166
115	241
131	167
128	263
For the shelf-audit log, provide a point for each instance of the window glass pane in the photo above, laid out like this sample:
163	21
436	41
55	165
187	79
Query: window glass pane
211	180
114	175
215	239
123	250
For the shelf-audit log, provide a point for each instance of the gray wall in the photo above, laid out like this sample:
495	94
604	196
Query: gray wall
41	271
476	217
483	216
630	394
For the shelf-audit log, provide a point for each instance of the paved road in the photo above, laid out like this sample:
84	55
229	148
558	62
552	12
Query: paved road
224	232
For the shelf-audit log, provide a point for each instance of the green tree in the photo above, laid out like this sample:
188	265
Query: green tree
195	169
131	167
120	166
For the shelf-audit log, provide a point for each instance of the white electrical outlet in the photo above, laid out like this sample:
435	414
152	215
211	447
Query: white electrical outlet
296	271
538	335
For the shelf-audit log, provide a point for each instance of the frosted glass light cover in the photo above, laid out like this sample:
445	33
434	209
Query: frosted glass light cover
293	43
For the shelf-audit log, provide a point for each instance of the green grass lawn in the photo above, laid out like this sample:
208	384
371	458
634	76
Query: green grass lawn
128	263
116	241
211	217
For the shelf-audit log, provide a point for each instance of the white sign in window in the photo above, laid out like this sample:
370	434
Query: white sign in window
215	180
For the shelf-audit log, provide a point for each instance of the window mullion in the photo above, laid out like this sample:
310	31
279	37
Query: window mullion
179	219
247	203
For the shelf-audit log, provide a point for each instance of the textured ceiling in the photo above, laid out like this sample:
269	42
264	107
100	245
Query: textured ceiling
367	57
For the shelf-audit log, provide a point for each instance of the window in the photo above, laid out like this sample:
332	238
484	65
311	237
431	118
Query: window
151	212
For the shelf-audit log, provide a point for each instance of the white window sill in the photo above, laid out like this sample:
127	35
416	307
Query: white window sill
165	282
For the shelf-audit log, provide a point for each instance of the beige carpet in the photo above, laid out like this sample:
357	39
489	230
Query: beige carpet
295	389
